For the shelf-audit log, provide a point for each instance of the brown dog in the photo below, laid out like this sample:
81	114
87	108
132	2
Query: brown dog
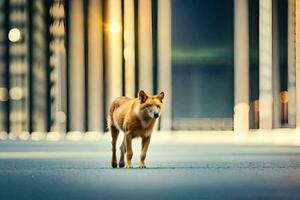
136	118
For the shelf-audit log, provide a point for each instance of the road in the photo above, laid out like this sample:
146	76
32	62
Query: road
81	170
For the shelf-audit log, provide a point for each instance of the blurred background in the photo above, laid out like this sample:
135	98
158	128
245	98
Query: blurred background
224	65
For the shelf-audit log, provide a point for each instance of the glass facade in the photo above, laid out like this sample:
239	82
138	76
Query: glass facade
202	61
62	62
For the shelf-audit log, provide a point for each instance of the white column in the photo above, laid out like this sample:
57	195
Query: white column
76	66
145	46
95	66
129	48
276	70
291	64
164	60
265	64
298	64
241	66
113	50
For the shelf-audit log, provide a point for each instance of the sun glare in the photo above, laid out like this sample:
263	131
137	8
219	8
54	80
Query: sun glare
114	27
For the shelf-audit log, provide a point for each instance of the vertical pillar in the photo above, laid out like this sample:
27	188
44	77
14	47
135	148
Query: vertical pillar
265	64
241	66
145	46
57	71
129	48
76	66
291	64
276	68
164	60
113	50
95	66
297	64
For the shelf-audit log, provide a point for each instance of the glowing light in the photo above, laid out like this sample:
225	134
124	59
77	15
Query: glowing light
127	53
14	35
54	136
24	135
74	136
284	97
16	93
253	137
13	135
36	136
114	27
92	136
61	116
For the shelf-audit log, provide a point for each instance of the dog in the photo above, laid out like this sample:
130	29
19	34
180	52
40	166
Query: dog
136	118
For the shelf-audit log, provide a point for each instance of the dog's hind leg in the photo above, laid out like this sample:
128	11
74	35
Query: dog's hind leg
129	153
114	134
123	150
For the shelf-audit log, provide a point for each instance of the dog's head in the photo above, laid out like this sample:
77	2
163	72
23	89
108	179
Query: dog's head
150	106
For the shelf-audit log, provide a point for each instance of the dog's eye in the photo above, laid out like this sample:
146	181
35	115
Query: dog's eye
158	107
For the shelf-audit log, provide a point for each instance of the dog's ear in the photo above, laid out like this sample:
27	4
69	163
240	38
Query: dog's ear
161	96
142	96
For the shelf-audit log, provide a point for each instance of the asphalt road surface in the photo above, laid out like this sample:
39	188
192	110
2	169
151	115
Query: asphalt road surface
81	170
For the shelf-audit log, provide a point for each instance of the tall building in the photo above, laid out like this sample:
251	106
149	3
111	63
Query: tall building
224	65
57	71
19	69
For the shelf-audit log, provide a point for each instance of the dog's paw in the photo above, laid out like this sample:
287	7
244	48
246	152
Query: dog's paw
128	166
142	164
121	164
114	165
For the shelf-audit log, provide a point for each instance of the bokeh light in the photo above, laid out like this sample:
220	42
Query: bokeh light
61	116
16	93
114	27
14	35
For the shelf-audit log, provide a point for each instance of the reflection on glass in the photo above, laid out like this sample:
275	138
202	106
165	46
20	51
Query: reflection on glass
202	62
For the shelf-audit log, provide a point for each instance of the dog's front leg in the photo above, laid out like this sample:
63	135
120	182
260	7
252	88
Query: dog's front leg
145	145
129	152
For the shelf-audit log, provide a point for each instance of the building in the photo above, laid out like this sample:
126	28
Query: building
223	65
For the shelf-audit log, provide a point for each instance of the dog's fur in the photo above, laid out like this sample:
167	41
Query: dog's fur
136	118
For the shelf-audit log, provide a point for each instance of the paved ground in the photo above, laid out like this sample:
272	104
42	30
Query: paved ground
81	170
